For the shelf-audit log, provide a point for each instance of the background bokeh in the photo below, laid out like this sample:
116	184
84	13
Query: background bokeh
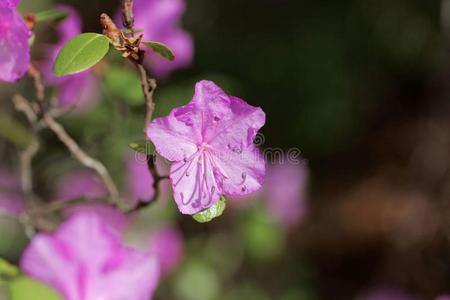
362	87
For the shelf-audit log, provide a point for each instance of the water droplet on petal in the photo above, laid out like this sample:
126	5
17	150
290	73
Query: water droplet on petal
243	188
213	189
244	175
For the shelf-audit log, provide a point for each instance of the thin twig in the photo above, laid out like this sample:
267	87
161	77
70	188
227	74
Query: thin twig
148	89
26	156
83	157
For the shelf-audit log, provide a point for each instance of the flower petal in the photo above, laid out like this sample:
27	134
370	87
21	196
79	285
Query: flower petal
194	184
176	136
14	47
243	171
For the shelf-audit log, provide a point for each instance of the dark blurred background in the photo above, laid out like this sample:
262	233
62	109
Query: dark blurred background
362	87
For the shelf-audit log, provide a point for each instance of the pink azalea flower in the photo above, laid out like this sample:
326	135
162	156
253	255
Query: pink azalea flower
78	89
210	141
86	260
14	47
11	198
285	192
160	21
166	243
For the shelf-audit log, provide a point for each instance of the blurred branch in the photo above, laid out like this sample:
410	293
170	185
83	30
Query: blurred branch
27	155
83	157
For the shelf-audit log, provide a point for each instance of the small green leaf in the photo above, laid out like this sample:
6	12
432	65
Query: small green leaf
51	15
81	53
7	270
145	147
213	212
24	288
161	49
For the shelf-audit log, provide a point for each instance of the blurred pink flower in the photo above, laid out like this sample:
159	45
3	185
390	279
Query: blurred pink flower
14	46
140	182
160	21
443	297
86	260
386	294
80	89
210	141
285	192
86	184
11	198
166	243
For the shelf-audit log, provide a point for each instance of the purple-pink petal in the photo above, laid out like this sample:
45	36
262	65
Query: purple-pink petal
210	141
166	243
14	47
86	260
80	184
443	297
285	188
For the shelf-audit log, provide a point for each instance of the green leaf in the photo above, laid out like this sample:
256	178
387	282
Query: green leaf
161	49
213	212
145	147
14	131
125	84
51	15
7	270
24	288
81	53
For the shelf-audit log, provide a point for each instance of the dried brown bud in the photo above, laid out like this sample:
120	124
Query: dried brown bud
127	14
110	29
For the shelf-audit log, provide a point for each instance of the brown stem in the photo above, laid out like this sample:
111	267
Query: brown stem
127	14
148	88
83	157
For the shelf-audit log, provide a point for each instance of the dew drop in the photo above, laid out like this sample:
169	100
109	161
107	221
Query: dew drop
213	189
243	188
244	175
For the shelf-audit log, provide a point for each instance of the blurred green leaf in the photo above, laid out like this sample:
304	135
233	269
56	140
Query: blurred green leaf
123	83
81	53
14	131
13	238
197	281
263	238
161	49
7	270
211	213
145	147
24	288
50	15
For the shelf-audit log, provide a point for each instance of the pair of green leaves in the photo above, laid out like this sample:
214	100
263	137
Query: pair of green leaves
85	50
